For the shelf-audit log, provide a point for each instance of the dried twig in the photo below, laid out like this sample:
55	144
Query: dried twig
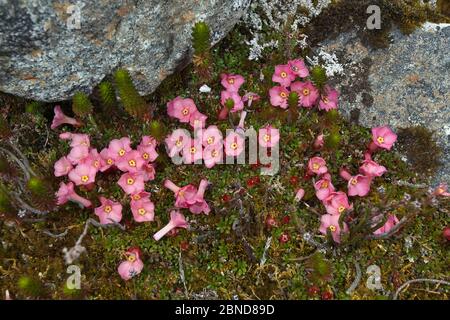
72	254
357	280
59	235
183	278
407	283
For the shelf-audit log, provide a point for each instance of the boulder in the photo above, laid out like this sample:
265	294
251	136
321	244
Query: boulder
52	49
405	85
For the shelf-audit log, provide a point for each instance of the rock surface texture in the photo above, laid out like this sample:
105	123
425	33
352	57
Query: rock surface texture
405	85
45	56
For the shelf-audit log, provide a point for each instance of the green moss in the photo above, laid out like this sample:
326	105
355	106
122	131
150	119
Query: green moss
419	146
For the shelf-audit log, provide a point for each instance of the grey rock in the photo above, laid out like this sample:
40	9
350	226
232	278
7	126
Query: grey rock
404	85
44	56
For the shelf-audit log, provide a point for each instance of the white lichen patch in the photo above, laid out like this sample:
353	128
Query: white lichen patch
329	61
433	27
266	15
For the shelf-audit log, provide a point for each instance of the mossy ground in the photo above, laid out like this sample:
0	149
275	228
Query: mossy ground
221	252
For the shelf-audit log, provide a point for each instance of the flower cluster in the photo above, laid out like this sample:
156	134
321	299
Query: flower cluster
83	163
308	95
186	111
336	202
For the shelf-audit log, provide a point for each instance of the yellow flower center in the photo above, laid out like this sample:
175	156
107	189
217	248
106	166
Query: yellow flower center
266	138
354	182
326	100
283	74
145	155
136	197
341	209
130	181
324	185
96	163
142	211
316	166
84	178
332	228
132	163
185	111
109	161
283	94
121	152
178	143
305	91
193	150
210	140
231	80
380	139
108	209
131	258
214	153
234	146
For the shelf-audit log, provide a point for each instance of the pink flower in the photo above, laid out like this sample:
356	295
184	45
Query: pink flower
184	196
331	223
231	82
131	182
283	75
177	220
60	118
93	159
77	154
237	100
307	93
336	203
324	187
279	96
66	193
358	185
268	136
147	149
65	136
441	191
83	174
370	168
240	127
213	155
131	162
132	266
234	144
198	204
177	141
317	165
197	120
298	68
79	139
193	152
249	97
148	172
108	161
383	137
329	100
319	142
109	211
390	223
212	136
299	194
143	209
182	109
119	148
62	167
